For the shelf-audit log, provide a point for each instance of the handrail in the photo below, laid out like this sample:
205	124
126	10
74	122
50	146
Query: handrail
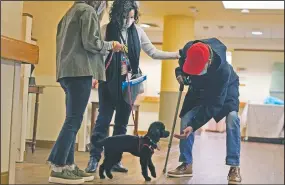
19	51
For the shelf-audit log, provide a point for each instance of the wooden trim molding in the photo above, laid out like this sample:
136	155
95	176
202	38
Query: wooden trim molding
142	132
34	39
151	99
28	15
19	51
4	177
260	50
157	43
44	144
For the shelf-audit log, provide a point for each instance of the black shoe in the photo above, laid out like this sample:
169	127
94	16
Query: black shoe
92	165
119	168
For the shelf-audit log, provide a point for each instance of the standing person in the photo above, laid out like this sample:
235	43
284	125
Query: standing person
79	50
122	27
213	93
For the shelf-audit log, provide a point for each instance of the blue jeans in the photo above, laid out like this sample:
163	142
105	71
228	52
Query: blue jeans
232	142
106	111
77	91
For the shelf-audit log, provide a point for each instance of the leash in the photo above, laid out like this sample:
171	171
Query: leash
128	81
109	62
130	92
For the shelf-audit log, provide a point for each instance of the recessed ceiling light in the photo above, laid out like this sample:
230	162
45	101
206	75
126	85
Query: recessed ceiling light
193	9
244	11
262	5
256	33
145	25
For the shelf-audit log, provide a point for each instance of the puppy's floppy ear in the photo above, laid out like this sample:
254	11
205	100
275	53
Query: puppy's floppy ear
154	132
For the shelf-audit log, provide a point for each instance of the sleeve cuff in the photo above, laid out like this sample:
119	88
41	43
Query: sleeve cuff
107	47
195	126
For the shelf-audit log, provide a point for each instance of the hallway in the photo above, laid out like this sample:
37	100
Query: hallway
260	164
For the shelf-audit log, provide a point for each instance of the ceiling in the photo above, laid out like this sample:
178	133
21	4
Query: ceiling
213	20
208	10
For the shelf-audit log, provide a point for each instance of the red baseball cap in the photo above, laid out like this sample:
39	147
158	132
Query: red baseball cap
196	58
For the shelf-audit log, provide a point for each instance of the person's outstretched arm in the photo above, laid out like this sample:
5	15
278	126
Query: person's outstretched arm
151	50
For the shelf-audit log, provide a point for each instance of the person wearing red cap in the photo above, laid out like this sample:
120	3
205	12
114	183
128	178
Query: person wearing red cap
213	93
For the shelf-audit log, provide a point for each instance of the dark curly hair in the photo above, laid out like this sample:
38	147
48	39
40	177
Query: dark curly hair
120	10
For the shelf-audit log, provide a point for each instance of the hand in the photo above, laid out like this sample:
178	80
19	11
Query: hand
134	76
183	80
186	132
94	83
180	80
178	55
117	46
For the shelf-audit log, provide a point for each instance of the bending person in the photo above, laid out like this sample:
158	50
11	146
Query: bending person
213	93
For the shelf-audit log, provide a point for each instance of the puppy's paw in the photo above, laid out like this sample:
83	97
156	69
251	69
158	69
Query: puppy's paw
110	176
102	176
153	175
147	179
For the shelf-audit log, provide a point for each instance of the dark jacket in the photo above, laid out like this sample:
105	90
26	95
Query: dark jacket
214	94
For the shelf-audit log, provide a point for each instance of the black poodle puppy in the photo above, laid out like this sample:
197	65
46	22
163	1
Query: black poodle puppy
142	147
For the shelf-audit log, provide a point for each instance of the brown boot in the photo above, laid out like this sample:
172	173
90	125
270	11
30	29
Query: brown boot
184	170
234	176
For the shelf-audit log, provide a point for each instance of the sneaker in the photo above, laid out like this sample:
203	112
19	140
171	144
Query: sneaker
119	168
184	170
234	176
92	165
80	173
65	177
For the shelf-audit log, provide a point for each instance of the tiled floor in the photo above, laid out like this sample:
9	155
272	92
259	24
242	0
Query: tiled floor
260	164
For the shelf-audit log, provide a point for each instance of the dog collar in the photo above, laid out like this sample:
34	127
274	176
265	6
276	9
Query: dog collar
152	144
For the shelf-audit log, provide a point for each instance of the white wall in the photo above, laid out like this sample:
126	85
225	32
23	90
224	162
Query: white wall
151	68
257	76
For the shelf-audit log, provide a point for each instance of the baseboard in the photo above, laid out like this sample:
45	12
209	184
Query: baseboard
266	140
4	177
141	132
46	144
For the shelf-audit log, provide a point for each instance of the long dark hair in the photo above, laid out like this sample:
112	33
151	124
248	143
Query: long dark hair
120	10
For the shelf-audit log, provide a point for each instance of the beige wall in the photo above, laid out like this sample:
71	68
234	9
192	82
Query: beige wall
11	22
46	15
257	76
11	19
